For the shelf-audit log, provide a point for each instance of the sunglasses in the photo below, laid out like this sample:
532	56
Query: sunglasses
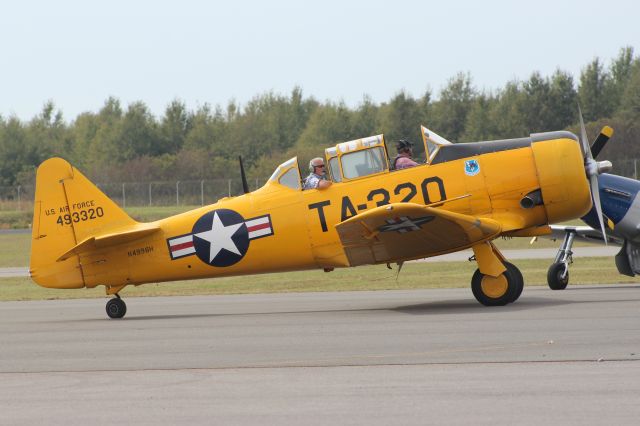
321	165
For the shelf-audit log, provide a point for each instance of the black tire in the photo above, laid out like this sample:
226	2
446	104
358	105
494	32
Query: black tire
116	308
496	291
520	280
554	277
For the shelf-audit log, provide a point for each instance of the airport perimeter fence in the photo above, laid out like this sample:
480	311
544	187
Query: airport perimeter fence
139	194
189	193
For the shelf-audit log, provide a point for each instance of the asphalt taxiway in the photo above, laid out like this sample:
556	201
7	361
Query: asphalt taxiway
402	357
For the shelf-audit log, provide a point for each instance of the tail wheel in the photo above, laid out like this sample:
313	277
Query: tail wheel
520	279
495	291
116	308
555	276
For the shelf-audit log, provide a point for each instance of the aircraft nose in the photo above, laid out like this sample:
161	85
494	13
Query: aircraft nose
561	174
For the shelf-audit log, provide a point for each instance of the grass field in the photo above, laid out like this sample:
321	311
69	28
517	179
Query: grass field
14	251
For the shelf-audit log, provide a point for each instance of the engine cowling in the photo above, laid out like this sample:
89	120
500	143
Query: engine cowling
563	182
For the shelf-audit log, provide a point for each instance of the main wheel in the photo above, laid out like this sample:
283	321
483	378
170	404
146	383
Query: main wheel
116	308
495	291
520	279
554	276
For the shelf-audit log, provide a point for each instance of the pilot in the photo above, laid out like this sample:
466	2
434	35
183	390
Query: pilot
317	179
405	153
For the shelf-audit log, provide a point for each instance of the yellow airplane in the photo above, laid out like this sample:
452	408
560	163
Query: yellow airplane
463	196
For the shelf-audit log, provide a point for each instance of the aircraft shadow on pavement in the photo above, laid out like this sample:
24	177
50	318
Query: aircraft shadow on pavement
455	307
436	307
428	308
524	303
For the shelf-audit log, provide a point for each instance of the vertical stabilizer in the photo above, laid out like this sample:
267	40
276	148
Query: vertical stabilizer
68	209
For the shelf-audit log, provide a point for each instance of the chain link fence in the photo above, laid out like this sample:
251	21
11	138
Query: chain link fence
138	194
190	192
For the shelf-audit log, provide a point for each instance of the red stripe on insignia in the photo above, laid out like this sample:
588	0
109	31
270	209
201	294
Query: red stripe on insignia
182	246
259	227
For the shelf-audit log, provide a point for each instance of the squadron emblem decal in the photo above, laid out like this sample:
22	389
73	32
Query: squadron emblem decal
220	237
471	167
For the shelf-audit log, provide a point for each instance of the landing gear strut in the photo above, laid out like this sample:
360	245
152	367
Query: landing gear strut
116	308
558	274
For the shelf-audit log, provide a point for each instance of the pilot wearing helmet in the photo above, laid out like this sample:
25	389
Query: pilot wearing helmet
405	153
317	179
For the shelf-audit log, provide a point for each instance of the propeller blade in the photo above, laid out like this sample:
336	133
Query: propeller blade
595	193
601	140
592	170
586	151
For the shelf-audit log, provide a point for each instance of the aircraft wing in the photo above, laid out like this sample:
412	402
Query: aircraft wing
584	233
404	231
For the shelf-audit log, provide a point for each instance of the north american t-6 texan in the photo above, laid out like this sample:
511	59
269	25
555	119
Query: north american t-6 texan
463	196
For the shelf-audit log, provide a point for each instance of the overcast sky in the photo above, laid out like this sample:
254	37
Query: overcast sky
77	53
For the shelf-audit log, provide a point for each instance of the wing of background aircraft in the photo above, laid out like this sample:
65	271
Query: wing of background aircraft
583	233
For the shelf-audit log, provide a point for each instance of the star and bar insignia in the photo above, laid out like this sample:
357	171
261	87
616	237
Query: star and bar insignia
404	224
220	237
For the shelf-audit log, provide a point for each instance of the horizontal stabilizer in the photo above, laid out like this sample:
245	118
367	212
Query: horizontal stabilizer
126	235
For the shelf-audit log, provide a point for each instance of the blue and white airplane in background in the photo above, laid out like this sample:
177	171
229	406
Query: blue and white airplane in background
621	214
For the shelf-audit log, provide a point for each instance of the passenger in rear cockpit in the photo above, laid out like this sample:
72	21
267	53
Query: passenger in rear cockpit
404	158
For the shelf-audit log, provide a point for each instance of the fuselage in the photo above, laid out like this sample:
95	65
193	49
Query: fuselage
301	232
280	227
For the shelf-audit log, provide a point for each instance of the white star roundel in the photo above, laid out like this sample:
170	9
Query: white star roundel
220	237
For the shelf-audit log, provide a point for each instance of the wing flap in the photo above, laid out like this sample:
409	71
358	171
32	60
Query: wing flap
404	231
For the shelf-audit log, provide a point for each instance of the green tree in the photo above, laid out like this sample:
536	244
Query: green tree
630	102
562	101
450	111
595	91
328	125
138	134
83	134
479	125
400	118
621	69
13	150
506	114
208	130
174	127
535	106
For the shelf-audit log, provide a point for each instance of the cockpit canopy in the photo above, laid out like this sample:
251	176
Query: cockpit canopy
287	174
369	156
356	159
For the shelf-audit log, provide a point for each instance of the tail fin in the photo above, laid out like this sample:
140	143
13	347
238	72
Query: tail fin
68	209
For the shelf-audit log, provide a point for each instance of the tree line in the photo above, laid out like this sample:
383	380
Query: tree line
131	144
